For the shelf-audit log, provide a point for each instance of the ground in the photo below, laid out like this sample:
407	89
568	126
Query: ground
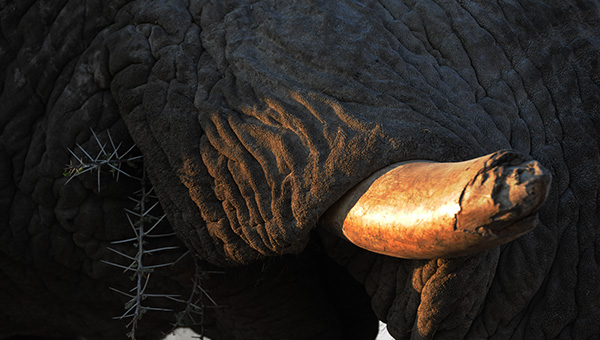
186	334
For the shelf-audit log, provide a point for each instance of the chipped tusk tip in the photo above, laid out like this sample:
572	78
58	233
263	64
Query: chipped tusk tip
423	209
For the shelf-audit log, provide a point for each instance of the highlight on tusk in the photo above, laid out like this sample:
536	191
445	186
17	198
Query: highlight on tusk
424	209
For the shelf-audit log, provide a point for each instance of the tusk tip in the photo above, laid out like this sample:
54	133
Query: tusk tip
423	209
507	190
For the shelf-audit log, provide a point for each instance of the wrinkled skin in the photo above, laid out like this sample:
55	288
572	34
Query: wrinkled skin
253	118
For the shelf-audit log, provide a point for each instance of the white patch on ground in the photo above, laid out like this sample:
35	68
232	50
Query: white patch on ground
188	334
182	334
383	333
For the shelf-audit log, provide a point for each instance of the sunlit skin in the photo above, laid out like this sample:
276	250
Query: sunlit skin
423	209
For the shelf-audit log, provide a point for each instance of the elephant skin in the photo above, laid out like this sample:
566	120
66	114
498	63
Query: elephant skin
253	118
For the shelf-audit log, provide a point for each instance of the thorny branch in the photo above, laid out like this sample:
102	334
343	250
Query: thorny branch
142	222
104	159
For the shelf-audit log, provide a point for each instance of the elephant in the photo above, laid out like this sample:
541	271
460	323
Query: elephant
252	131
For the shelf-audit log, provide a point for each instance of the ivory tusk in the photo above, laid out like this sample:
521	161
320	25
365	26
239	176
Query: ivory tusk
423	209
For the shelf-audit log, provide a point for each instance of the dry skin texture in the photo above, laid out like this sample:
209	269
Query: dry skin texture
255	116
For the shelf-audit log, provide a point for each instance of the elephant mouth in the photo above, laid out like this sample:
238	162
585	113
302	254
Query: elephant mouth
423	209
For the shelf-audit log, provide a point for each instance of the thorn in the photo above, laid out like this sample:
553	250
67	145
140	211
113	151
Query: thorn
126	314
133	212
132	267
161	235
119	291
176	299
135	230
182	256
118	265
98	169
160	249
166	296
85	152
145	283
107	160
122	317
158	309
69	180
74	155
98	141
124	241
120	253
119	171
191	317
155	224
206	294
152	207
129	150
111	141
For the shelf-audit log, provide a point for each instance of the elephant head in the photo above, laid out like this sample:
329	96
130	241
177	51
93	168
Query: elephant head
321	166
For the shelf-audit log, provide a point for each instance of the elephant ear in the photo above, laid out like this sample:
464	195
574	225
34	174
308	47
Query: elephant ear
251	128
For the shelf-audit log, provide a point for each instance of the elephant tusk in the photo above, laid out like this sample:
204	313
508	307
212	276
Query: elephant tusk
423	209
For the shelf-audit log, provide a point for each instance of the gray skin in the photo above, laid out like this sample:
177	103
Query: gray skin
253	118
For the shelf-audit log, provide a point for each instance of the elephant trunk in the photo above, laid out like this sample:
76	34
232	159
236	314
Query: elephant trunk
423	209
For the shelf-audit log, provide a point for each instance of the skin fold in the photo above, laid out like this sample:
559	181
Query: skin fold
255	120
